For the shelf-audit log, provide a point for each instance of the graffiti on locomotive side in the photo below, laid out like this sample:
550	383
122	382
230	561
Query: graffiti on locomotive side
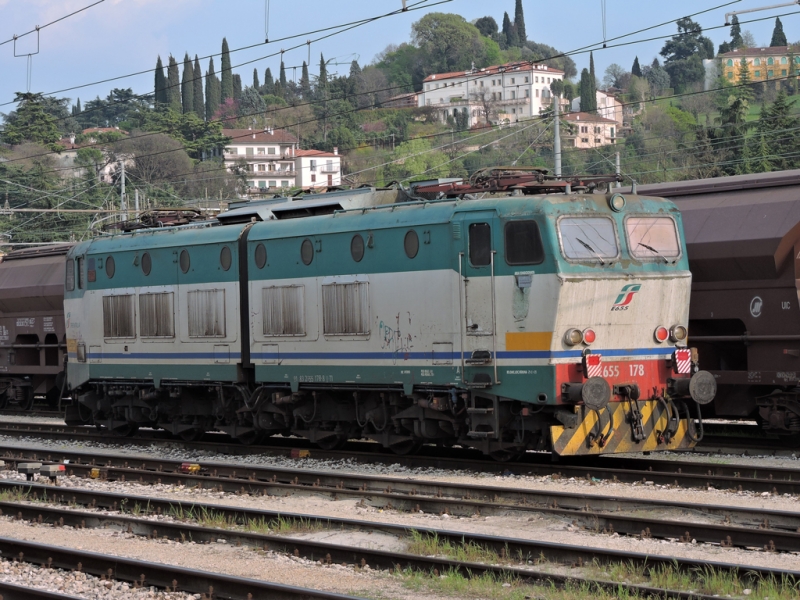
395	340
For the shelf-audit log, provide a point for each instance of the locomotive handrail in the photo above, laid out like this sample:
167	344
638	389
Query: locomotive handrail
494	322
462	317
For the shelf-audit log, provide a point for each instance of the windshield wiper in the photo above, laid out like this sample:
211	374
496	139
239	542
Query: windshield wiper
590	249
654	251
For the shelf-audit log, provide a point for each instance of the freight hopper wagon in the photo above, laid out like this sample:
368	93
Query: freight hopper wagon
743	239
519	320
32	329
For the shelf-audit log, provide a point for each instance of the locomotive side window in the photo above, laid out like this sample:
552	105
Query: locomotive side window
185	261
118	317
480	244
307	251
261	256
225	258
411	243
523	243
357	248
588	238
156	318
147	263
111	267
652	237
70	280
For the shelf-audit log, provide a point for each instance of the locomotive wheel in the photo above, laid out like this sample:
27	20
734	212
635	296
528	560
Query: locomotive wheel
505	455
250	437
26	403
333	442
191	435
3	400
127	430
406	448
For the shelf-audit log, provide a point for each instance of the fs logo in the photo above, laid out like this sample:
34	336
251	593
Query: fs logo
625	297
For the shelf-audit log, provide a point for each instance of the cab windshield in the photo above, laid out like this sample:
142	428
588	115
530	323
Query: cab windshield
588	238
653	238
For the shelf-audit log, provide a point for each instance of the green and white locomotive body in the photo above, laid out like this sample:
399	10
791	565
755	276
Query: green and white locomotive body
505	323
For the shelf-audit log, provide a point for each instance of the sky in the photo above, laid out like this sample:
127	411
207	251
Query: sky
120	37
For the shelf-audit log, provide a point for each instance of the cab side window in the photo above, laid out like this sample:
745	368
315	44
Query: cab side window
70	279
480	244
79	268
523	243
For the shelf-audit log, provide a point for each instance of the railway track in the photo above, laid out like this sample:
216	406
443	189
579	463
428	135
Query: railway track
724	525
526	560
141	573
10	591
617	468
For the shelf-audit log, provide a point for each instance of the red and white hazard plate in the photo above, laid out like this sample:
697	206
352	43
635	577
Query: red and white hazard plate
682	360
593	364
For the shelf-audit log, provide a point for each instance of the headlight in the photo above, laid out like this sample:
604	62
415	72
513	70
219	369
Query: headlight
616	202
661	334
573	337
678	333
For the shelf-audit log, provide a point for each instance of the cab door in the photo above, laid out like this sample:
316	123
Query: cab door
478	327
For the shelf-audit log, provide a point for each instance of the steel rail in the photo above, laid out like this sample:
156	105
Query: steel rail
621	468
12	591
328	553
157	574
771	530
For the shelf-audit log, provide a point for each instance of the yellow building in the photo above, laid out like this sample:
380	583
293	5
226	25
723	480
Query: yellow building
764	64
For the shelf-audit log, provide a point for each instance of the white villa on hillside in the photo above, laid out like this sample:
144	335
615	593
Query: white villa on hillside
513	92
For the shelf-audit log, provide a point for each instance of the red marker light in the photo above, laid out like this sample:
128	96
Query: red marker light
661	334
589	336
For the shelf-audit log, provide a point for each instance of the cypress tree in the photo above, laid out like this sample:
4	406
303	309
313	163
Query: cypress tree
519	23
187	85
256	83
305	82
778	37
588	95
212	91
227	75
636	69
161	83
269	82
199	105
173	85
78	109
283	76
323	74
506	32
591	70
736	34
237	87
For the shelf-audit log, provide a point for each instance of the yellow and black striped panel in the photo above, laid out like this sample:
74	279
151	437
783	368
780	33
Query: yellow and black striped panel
585	437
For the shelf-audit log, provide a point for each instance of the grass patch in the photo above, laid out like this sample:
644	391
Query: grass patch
432	545
210	518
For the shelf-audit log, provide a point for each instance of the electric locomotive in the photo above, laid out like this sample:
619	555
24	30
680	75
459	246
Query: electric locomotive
511	312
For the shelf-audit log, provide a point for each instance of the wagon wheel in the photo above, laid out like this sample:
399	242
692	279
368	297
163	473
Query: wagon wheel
26	403
406	447
250	438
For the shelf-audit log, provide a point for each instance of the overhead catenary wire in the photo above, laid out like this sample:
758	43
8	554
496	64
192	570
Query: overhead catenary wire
38	28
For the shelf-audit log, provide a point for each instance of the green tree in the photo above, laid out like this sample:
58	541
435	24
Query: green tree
684	53
404	66
237	87
173	85
636	70
778	37
227	76
587	91
161	84
487	26
199	104
282	76
777	126
212	91
187	85
736	34
592	74
305	82
256	83
510	32
322	82
519	23
448	43
31	123
195	135
415	158
269	82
